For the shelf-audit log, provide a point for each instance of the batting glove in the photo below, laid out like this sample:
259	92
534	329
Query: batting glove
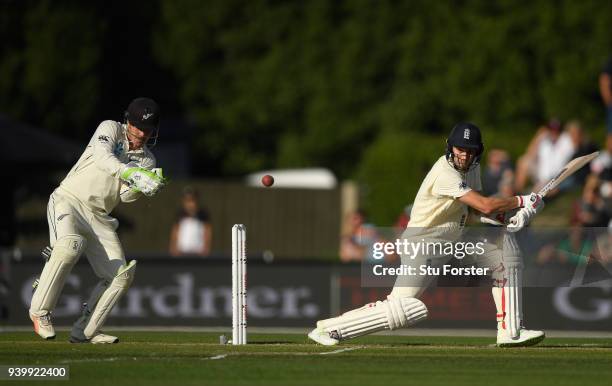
532	205
532	202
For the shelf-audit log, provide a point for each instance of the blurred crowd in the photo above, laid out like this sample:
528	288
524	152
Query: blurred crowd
587	224
553	144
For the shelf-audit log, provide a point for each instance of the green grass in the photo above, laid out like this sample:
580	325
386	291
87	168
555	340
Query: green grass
181	358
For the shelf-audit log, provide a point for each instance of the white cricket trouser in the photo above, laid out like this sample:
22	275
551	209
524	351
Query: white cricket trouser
67	215
415	286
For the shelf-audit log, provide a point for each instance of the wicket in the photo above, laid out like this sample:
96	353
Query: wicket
239	287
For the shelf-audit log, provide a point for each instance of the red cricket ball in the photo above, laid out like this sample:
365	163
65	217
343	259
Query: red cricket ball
267	180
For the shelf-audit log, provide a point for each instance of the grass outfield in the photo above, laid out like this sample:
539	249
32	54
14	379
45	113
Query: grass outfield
185	358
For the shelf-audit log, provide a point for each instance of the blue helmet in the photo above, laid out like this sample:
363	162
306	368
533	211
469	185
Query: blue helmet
465	135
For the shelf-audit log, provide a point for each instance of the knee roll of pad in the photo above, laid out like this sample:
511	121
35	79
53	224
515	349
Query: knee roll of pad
125	275
68	248
404	312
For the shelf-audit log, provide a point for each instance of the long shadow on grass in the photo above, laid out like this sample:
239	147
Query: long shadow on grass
577	345
273	342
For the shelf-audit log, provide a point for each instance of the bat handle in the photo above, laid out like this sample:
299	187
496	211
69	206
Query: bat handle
491	221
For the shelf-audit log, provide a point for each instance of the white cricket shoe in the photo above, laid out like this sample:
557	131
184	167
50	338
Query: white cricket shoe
43	325
98	338
525	338
322	337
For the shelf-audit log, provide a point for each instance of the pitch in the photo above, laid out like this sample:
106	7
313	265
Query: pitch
194	358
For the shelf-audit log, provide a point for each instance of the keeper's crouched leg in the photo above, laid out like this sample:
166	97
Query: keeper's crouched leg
101	302
389	314
65	254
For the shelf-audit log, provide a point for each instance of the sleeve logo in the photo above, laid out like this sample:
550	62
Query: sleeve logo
118	150
103	138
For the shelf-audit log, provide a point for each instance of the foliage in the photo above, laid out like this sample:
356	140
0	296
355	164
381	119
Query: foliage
355	85
317	83
47	69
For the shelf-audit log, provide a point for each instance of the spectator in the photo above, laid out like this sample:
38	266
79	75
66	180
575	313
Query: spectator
603	163
358	238
498	174
605	90
575	249
591	210
548	151
602	252
402	220
191	233
601	170
506	185
583	146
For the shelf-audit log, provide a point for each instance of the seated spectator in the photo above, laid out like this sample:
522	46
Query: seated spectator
548	151
191	233
358	238
575	249
583	146
591	209
602	252
605	90
506	184
601	170
402	220
604	161
497	173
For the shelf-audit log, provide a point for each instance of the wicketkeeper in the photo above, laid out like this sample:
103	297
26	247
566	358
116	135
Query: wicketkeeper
117	166
440	212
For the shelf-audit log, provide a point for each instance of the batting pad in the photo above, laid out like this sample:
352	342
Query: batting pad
390	314
513	297
508	293
65	254
111	295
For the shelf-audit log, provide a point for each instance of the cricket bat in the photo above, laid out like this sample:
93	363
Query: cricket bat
570	168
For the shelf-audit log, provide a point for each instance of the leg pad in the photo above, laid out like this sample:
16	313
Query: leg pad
390	314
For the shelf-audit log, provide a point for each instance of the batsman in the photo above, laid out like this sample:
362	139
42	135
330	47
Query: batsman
440	211
116	166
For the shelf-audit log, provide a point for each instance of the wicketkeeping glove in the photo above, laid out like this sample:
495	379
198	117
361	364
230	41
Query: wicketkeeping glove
148	182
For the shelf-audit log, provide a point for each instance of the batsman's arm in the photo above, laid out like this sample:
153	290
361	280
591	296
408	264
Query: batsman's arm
104	142
489	205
